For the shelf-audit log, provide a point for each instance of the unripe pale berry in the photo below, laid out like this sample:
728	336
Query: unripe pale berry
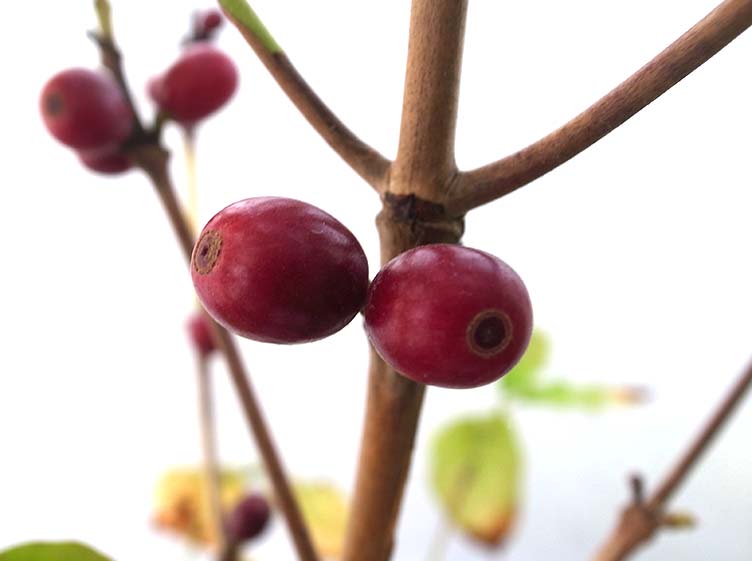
279	270
200	82
249	518
85	110
200	334
107	163
448	315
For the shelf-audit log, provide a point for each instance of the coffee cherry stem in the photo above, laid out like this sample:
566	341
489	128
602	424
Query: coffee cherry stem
112	60
153	160
104	15
189	150
209	448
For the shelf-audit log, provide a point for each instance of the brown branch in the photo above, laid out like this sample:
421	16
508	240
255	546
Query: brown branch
421	174
641	519
477	187
112	58
425	157
362	158
212	474
153	160
145	151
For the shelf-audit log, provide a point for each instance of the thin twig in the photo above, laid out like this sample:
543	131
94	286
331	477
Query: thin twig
147	154
361	157
153	160
681	469
212	474
641	519
477	187
189	149
112	58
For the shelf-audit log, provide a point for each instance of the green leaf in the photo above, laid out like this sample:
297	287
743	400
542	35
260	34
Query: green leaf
528	370
65	551
246	20
561	393
525	382
475	473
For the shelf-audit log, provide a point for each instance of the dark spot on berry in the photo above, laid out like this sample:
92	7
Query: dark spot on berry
489	333
207	251
53	104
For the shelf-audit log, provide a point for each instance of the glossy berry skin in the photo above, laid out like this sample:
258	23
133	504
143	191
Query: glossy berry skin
248	519
85	110
279	270
199	83
449	316
107	163
200	334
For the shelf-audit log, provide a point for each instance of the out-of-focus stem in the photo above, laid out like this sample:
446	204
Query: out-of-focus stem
212	474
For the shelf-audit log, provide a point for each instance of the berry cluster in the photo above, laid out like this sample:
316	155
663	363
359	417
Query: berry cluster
88	110
282	271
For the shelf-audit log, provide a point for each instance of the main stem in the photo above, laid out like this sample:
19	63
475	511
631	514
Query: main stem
420	177
153	160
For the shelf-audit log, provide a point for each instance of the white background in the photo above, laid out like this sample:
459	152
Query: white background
636	254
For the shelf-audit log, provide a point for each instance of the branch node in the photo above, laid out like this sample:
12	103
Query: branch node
637	486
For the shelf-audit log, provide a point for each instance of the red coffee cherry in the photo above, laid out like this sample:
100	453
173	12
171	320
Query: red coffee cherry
248	519
201	81
107	163
449	316
200	333
279	270
85	110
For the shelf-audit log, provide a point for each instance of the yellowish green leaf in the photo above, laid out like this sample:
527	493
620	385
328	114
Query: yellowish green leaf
243	16
476	474
528	370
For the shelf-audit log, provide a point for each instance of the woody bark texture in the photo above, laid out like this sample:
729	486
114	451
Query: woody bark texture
412	215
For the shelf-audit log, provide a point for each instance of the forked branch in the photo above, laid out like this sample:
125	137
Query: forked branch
145	151
641	519
152	159
477	187
421	174
364	160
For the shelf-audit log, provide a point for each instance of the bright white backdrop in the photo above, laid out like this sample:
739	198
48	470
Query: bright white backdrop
636	255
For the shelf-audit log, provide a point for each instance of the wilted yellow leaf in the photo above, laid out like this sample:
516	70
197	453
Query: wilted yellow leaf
325	511
182	502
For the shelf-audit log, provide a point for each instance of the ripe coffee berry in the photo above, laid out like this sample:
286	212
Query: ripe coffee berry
85	110
201	81
200	334
279	270
206	23
108	163
248	519
449	316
